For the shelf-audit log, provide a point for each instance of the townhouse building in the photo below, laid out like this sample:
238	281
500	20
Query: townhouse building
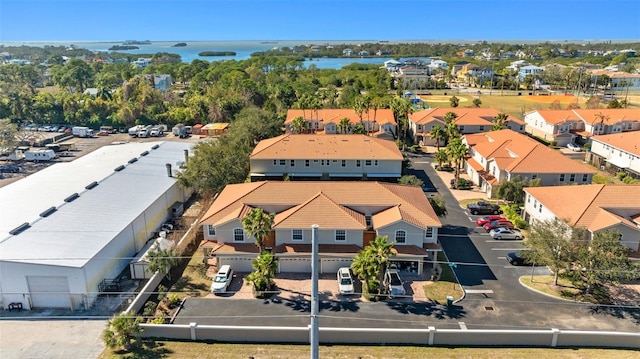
596	207
349	215
502	155
326	121
618	152
570	126
469	120
326	157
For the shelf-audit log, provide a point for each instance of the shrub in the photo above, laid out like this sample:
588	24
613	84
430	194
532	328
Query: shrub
159	320
621	175
174	299
629	180
149	309
520	223
162	292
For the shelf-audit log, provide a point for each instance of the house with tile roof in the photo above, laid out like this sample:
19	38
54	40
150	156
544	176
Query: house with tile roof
502	155
567	126
620	81
326	157
618	152
469	120
326	121
596	207
349	215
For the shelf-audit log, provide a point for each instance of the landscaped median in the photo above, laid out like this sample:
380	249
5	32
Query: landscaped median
444	283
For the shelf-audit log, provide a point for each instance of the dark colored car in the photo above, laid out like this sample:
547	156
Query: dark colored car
518	259
9	168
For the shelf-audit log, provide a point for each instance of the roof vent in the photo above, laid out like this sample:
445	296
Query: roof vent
155	147
19	229
144	153
133	160
119	168
72	197
91	185
48	212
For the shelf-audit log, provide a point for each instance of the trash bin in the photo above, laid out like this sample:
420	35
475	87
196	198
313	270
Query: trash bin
449	301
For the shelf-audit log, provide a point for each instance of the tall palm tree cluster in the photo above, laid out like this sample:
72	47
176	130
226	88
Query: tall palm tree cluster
369	265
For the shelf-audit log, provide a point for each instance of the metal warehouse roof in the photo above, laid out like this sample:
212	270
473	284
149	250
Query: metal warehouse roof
78	230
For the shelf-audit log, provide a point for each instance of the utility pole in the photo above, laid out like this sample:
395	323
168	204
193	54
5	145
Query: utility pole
314	292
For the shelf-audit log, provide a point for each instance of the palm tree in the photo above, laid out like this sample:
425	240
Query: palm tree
344	125
437	134
298	125
401	110
457	152
499	122
122	331
370	263
451	131
454	101
441	156
162	260
265	267
258	224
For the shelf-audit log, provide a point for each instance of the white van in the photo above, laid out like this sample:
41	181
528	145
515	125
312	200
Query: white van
222	279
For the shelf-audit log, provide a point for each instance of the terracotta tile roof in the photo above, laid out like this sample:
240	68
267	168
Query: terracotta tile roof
248	248
590	116
302	204
481	116
517	153
476	166
408	250
393	215
626	141
306	146
291	248
581	206
605	219
382	115
558	116
615	74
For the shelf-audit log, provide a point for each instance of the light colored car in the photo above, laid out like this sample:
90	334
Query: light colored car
345	282
393	283
505	233
573	147
222	279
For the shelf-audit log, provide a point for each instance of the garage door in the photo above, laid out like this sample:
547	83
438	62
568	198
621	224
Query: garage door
295	265
331	265
49	292
238	264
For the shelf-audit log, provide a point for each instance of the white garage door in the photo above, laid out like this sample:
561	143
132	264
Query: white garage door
49	292
295	265
238	264
331	265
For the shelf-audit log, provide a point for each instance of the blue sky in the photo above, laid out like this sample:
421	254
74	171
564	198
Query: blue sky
224	20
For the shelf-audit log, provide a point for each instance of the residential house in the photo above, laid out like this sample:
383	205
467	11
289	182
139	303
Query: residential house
618	152
596	207
472	74
326	121
347	52
438	64
363	53
349	215
469	120
620	81
529	70
142	62
502	155
214	129
334	157
565	126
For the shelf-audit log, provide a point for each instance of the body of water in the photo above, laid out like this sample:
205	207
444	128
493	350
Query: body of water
243	50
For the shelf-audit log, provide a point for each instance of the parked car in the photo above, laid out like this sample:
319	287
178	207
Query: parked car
9	169
482	207
518	258
573	147
429	189
498	224
345	282
486	219
505	233
222	279
393	283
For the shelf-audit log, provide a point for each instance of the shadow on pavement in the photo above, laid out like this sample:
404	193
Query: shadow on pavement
471	268
618	312
428	309
302	304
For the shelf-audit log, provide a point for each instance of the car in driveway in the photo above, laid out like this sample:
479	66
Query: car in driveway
505	233
429	189
573	147
498	224
518	258
222	279
486	219
393	283
345	282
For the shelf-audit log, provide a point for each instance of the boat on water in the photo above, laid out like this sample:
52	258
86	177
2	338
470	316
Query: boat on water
137	42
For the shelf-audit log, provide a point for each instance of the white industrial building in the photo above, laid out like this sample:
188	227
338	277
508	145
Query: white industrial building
65	229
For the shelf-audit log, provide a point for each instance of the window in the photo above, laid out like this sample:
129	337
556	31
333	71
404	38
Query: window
429	232
481	128
306	163
585	177
275	162
534	176
401	236
296	235
282	163
341	235
211	230
535	203
562	177
375	162
367	162
321	162
238	235
334	161
540	209
572	178
367	219
344	163
293	163
461	129
528	199
358	163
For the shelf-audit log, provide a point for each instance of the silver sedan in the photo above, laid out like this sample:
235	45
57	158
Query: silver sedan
505	233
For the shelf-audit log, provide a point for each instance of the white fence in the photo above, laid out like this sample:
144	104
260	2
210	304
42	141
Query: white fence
430	336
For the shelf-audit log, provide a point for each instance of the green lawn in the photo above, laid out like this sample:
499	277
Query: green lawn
193	281
446	286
